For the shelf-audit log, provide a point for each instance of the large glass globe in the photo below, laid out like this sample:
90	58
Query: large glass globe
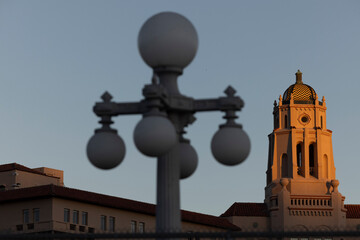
230	145
155	136
167	39
187	157
105	150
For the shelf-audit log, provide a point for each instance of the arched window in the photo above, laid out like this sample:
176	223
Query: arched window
312	159
286	121
298	154
284	166
299	159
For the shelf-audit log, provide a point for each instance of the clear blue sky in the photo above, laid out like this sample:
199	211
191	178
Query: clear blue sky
58	57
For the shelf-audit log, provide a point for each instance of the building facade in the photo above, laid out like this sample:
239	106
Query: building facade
301	192
36	200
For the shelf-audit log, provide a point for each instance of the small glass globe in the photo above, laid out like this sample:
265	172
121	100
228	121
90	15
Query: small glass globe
230	145
155	136
187	157
167	39
105	150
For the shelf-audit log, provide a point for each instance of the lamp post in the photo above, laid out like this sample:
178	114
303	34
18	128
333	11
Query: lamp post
167	43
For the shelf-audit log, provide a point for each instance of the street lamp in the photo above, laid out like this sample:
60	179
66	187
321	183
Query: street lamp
167	43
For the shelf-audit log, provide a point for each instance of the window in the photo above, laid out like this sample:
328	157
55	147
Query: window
141	227
112	224
36	214
26	216
286	121
84	218
76	217
66	215
133	226
312	158
298	155
103	222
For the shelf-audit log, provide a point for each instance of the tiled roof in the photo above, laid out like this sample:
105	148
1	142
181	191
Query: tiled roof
47	191
247	209
15	166
353	210
260	210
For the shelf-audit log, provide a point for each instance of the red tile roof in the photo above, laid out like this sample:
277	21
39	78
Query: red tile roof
19	167
260	210
48	191
353	210
247	209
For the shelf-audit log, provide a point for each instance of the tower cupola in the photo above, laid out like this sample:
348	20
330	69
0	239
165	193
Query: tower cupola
299	92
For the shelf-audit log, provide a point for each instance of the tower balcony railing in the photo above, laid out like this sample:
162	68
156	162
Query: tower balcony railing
311	202
300	171
311	206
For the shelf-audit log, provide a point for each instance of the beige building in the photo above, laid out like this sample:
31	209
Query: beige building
35	200
301	192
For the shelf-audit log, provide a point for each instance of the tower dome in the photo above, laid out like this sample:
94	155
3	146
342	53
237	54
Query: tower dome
299	92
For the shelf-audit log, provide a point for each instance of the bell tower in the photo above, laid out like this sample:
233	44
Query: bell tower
301	173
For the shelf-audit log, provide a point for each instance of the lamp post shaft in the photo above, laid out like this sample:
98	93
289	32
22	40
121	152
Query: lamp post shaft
168	217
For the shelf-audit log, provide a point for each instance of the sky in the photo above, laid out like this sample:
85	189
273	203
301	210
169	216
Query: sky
58	57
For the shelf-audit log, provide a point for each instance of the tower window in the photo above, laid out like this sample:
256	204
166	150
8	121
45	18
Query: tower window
304	119
312	159
298	154
299	159
286	121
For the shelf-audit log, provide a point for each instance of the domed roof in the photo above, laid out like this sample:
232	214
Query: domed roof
299	92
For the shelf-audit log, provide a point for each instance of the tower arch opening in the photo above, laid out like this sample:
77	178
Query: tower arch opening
313	164
300	159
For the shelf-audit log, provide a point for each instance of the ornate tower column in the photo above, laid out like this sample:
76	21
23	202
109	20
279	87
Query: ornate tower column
300	151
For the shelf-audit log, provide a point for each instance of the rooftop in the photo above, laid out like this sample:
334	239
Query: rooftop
51	191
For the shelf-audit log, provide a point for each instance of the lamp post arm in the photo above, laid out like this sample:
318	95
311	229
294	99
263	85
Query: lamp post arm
220	104
111	109
115	109
228	103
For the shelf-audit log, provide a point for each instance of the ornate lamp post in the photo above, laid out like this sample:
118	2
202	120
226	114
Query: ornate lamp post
167	43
